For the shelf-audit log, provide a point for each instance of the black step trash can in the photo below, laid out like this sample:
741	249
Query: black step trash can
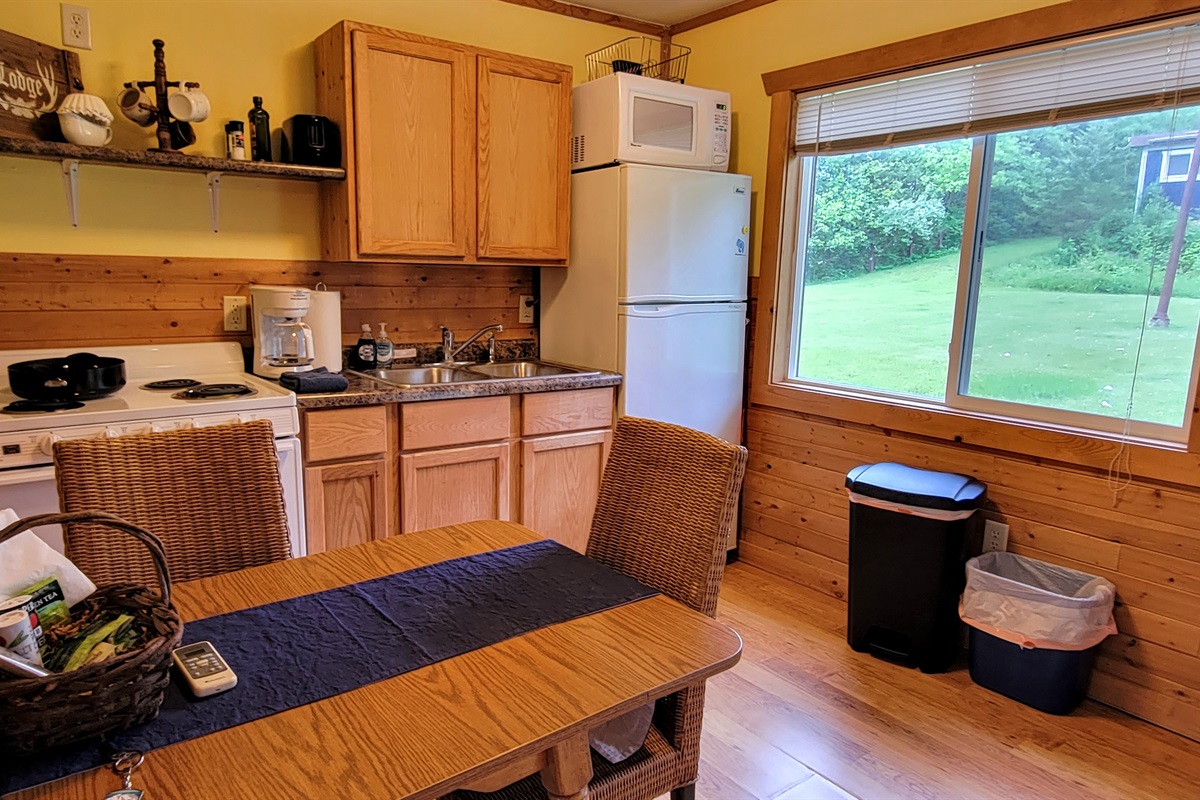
911	531
1035	628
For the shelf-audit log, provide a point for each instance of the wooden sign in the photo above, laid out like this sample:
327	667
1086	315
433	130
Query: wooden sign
34	78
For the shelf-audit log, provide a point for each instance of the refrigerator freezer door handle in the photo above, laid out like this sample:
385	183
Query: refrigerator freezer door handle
679	309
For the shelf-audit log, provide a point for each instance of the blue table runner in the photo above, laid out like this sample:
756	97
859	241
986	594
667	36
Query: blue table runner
299	651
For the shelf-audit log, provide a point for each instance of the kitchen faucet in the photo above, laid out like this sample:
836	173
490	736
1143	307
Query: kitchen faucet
450	352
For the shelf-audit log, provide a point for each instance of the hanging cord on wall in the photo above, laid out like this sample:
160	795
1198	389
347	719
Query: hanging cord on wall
1120	471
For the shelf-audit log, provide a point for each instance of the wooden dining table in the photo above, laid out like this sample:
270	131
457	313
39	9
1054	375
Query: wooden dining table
479	720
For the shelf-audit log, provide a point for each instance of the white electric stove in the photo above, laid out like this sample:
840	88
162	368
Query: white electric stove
189	399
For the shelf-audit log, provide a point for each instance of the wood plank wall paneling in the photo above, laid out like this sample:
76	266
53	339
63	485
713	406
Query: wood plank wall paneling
1144	539
51	300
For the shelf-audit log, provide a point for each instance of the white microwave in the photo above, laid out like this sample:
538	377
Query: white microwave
631	119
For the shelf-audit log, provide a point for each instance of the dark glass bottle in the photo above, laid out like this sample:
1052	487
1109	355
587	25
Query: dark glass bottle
260	132
364	351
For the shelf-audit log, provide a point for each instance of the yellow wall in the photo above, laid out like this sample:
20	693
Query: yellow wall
240	48
236	49
733	53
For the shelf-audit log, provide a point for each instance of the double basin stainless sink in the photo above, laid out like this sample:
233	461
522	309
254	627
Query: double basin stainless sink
499	371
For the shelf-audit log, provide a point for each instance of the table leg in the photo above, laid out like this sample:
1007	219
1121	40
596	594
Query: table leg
568	769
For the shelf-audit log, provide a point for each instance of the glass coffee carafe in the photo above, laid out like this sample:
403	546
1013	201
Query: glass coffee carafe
287	342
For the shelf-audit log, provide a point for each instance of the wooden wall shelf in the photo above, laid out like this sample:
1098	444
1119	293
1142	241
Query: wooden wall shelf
72	155
59	151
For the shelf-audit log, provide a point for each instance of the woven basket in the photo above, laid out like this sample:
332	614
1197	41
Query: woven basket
103	699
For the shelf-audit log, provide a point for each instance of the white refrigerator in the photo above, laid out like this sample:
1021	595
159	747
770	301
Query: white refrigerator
656	290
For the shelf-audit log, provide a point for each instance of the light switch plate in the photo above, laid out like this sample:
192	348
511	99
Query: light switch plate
525	314
76	27
235	312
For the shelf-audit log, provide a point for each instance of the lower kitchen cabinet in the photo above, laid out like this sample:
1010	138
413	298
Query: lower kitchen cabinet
374	471
461	484
560	481
346	504
350	479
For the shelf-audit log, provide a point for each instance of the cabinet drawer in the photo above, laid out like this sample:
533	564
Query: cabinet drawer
444	423
339	433
558	412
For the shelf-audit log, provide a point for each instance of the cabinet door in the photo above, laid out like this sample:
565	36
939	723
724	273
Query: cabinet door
560	481
346	504
413	146
446	487
524	126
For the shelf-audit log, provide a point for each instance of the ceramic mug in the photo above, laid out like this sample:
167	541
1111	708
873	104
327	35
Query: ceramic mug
78	130
189	105
135	104
182	134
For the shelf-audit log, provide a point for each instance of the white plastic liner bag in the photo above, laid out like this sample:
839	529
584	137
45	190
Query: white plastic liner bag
1035	604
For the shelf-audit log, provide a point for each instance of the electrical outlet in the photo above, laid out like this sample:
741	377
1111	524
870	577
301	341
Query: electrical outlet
525	316
76	27
235	312
995	536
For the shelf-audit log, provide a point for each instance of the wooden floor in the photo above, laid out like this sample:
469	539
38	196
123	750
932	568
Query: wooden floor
803	717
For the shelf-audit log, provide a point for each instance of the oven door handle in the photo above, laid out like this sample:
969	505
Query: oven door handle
23	475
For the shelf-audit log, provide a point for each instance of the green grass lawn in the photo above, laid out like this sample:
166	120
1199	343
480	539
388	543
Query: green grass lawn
891	330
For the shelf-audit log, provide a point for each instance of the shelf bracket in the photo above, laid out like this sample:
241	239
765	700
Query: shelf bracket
214	199
70	173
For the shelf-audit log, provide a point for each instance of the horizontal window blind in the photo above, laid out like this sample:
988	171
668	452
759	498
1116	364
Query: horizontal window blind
1151	69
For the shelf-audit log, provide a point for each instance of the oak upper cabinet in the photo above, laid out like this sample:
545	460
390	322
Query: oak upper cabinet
453	154
412	125
349	475
524	170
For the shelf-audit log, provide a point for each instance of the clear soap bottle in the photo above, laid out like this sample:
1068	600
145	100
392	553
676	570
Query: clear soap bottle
384	351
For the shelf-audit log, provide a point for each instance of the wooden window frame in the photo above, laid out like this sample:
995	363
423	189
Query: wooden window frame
1177	463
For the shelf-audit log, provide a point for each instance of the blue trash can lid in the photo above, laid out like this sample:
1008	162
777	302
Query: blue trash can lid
924	488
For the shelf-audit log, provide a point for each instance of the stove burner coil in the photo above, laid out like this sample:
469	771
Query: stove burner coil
31	406
213	391
172	385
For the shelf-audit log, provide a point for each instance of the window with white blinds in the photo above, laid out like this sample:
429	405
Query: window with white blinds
1099	77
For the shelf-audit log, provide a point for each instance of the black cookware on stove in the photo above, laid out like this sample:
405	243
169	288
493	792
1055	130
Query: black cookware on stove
79	376
214	391
32	406
172	385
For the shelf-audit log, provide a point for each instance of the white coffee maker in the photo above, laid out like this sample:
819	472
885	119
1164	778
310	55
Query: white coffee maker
282	342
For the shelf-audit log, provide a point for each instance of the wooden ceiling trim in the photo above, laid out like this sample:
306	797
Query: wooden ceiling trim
1039	26
717	14
592	15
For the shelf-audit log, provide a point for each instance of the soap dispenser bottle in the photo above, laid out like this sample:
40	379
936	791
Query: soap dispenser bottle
364	351
383	349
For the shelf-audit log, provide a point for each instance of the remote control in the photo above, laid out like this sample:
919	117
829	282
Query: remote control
203	668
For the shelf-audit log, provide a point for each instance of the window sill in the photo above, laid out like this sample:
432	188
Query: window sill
1148	458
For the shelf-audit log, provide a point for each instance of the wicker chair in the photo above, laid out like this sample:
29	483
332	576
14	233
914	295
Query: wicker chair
667	501
212	495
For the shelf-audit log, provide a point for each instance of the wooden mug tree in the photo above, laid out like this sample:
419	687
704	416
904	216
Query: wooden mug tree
161	87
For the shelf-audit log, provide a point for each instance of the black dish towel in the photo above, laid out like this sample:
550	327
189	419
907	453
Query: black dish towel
318	380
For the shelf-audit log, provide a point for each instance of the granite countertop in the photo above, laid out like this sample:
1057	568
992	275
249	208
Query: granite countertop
365	390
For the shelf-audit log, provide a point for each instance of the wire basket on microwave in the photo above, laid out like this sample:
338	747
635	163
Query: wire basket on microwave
641	55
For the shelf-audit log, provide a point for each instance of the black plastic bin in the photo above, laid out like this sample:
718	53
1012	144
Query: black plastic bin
1054	681
1035	628
911	532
